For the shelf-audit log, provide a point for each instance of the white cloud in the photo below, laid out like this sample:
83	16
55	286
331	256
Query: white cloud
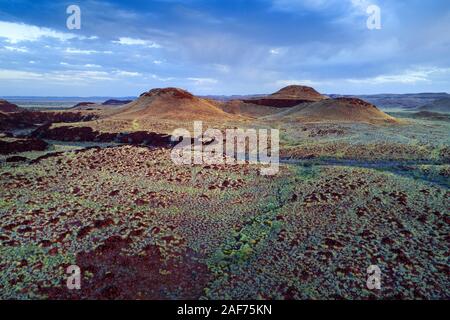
90	65
137	42
157	61
359	6
16	49
156	77
6	74
294	5
280	51
202	81
18	32
274	51
223	68
410	76
87	65
81	51
55	76
75	75
123	73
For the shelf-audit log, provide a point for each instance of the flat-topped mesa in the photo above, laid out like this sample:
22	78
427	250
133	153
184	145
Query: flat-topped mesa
288	97
169	92
6	106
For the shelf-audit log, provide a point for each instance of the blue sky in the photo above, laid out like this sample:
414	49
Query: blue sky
223	47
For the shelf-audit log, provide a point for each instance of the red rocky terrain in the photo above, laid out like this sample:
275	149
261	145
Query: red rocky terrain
12	145
141	227
6	106
29	119
288	97
67	133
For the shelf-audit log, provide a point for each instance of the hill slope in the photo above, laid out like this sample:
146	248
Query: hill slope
335	110
6	106
441	105
239	107
288	97
170	103
297	92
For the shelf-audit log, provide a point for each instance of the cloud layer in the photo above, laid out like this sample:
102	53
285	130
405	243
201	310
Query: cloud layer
224	47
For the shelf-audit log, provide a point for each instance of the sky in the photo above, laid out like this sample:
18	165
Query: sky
212	47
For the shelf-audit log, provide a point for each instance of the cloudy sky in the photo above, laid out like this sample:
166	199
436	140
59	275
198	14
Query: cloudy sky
223	47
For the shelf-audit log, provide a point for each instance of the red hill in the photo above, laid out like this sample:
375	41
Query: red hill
289	96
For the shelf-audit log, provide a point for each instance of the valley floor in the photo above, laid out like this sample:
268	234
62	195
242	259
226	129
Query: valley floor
140	227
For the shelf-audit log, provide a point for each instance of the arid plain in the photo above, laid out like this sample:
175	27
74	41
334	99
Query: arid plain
95	186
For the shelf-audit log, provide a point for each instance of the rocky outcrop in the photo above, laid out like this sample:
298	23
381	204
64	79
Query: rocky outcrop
288	97
22	145
166	92
87	106
114	102
16	159
67	133
147	138
83	104
29	119
6	106
298	92
277	103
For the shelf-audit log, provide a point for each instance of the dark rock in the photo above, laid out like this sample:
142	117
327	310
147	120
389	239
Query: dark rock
30	119
6	106
16	159
22	145
277	103
83	104
68	133
114	102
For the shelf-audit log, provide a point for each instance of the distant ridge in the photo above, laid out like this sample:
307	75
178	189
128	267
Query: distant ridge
441	105
110	103
402	101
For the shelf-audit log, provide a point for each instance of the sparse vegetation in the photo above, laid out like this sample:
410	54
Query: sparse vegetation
141	227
